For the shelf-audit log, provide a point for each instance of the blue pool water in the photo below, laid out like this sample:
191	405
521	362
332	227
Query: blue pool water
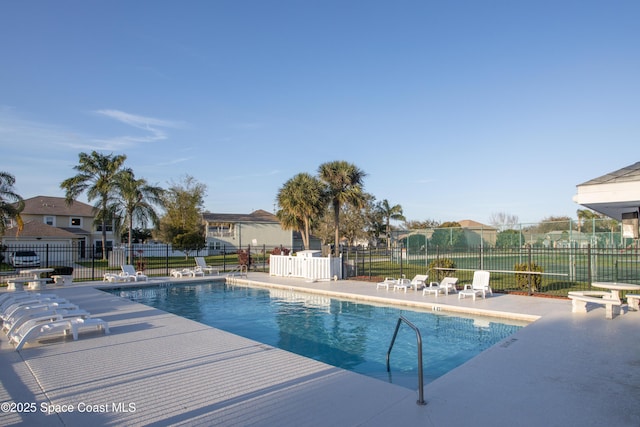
347	334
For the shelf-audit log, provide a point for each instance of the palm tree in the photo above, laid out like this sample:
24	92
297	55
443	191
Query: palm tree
135	203
585	215
344	185
96	175
390	212
11	204
301	201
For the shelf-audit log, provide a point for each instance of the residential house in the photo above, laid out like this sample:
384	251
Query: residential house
478	234
230	232
51	222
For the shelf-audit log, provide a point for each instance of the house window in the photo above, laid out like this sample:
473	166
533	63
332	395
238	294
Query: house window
220	230
107	227
50	220
76	222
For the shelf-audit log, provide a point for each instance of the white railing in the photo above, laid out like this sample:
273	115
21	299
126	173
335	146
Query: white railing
312	268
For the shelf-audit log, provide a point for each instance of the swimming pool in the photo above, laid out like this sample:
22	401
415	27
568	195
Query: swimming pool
347	334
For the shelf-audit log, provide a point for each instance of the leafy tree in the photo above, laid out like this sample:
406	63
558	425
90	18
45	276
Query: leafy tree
11	204
138	235
189	242
344	186
97	175
183	203
509	239
585	215
417	225
374	220
554	223
301	201
136	202
390	213
353	224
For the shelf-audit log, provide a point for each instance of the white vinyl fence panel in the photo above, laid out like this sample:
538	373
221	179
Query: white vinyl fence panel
312	268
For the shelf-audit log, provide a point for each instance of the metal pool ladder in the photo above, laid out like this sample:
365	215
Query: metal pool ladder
401	319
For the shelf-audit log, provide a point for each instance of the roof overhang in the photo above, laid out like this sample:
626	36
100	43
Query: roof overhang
611	199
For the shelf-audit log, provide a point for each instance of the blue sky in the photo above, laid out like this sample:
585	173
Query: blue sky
454	109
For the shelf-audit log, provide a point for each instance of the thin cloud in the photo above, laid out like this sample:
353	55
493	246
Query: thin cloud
153	129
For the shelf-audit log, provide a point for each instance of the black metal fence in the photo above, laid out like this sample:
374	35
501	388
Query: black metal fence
153	260
556	270
553	271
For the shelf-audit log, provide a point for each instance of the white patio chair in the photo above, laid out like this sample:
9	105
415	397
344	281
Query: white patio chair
479	286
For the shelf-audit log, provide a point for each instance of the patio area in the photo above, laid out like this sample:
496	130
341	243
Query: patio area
156	368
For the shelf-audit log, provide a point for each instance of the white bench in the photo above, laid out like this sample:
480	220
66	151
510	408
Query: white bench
633	301
579	300
17	284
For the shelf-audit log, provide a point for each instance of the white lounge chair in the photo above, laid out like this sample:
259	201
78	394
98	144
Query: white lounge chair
129	271
10	298
402	284
186	272
54	325
71	311
10	308
23	313
201	265
113	277
39	328
479	286
447	284
388	281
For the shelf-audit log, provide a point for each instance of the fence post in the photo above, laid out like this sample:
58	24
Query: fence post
166	259
530	268
589	278
224	257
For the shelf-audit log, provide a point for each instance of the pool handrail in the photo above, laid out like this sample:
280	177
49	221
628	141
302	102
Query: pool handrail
401	319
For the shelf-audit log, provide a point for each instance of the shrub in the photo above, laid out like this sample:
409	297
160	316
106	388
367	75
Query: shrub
522	280
441	263
60	270
280	251
244	258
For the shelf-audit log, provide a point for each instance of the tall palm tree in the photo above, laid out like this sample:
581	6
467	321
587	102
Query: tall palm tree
390	212
136	202
96	175
301	201
585	215
344	185
11	204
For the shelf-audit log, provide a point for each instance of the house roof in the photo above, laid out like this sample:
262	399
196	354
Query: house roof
612	194
255	216
629	173
47	205
468	223
39	229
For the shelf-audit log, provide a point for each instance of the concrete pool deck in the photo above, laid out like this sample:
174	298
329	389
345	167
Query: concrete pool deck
156	368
